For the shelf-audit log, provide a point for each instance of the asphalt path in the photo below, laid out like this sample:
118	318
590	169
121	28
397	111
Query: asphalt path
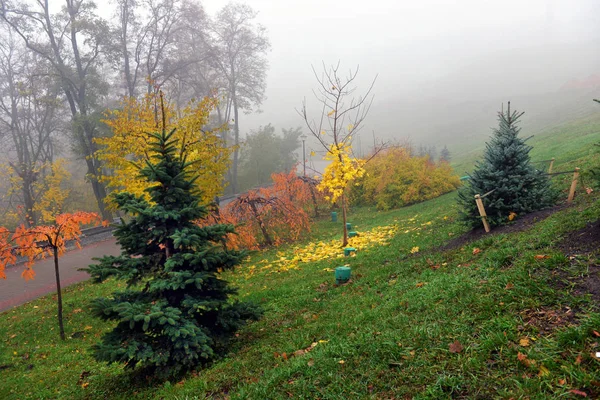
14	290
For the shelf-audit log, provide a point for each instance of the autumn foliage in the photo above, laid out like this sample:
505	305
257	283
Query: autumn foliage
395	178
127	150
269	216
41	241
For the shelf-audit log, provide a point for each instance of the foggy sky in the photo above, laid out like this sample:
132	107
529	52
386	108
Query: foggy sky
430	55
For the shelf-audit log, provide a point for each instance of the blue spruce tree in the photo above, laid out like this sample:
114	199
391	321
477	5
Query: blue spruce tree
518	187
176	313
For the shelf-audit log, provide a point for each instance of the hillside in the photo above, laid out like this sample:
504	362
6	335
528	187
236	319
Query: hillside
431	312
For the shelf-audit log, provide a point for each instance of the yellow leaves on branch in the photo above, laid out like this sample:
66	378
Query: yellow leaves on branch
396	178
342	170
127	149
49	190
54	193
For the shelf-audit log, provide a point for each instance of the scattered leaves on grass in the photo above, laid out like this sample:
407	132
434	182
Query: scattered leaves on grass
509	286
578	359
476	250
524	360
541	256
301	352
414	250
512	215
456	347
578	392
524	342
341	362
543	371
421	284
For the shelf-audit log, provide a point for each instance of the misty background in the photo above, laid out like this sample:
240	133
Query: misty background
442	71
444	68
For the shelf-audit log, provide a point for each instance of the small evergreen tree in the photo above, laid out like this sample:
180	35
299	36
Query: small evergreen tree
175	313
506	168
445	155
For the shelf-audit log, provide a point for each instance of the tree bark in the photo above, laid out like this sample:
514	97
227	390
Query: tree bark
236	142
59	293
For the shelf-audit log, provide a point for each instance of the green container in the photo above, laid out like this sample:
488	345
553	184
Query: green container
352	233
333	216
348	225
348	251
342	275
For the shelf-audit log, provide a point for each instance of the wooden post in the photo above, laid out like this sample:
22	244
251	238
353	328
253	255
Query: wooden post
481	209
573	185
551	165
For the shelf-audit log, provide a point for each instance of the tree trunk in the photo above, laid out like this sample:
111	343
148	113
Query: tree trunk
59	293
314	199
345	240
263	228
236	142
99	190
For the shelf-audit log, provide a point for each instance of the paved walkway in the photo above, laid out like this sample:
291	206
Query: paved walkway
14	290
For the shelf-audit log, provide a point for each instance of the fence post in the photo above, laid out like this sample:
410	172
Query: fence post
481	209
573	185
551	165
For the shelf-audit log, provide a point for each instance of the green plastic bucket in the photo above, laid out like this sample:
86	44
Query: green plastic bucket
348	251
342	275
348	225
333	216
352	233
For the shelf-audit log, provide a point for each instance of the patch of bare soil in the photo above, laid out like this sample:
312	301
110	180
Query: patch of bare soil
546	320
584	241
520	224
581	247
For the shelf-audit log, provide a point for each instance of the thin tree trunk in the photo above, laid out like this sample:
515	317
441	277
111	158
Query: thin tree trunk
59	293
314	199
345	241
263	228
236	139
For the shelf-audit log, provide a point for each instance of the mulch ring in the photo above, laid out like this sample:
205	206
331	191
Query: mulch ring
518	225
545	320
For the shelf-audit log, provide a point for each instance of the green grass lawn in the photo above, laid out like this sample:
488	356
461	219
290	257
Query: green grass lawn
431	325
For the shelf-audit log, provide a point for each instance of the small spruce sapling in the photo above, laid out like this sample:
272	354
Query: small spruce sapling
518	187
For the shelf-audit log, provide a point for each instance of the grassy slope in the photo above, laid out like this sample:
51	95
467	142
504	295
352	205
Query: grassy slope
391	326
565	142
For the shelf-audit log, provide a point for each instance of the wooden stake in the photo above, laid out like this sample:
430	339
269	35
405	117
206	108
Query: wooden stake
573	186
481	209
551	165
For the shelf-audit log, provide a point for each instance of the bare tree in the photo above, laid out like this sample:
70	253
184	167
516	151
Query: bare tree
341	117
238	51
73	42
29	123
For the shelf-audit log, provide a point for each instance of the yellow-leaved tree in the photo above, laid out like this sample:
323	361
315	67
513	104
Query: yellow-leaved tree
34	192
128	148
340	119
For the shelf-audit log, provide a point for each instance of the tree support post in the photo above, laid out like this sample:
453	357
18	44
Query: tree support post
482	213
573	186
551	165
